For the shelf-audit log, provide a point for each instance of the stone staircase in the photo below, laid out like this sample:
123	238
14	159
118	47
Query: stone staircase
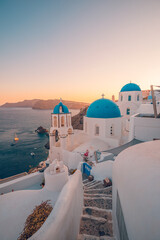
96	220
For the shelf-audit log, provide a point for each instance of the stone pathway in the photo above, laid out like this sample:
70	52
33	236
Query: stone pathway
96	220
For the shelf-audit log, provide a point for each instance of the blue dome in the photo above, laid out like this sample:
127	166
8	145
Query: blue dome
130	87
103	108
57	109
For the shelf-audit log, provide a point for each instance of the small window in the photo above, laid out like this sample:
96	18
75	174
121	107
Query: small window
60	109
55	121
128	111
121	98
129	98
111	130
97	130
62	121
138	97
69	121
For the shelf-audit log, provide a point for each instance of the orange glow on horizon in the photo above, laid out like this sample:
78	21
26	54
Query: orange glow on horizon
77	51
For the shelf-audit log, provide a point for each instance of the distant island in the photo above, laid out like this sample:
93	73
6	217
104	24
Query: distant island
45	104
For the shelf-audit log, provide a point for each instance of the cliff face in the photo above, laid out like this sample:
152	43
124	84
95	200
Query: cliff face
25	103
50	104
77	120
46	104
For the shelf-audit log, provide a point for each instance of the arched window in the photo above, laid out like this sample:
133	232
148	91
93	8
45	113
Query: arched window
138	97
60	109
121	98
62	121
96	130
129	98
55	121
54	132
128	111
70	131
69	121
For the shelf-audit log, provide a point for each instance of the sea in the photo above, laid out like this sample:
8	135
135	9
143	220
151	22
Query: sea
18	158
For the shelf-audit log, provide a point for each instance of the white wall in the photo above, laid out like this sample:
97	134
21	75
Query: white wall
64	221
102	170
71	159
104	129
55	153
133	104
55	182
136	177
148	108
16	206
133	95
144	128
22	182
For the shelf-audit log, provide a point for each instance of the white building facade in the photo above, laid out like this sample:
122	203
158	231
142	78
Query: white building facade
130	98
61	131
103	121
144	127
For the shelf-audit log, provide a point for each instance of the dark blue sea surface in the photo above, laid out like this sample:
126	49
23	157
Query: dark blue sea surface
23	122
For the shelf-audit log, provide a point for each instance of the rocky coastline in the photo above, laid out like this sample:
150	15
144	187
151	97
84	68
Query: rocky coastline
45	104
77	120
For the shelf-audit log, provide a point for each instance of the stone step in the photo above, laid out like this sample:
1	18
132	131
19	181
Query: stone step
85	181
87	237
106	190
104	203
98	212
91	237
107	238
90	183
96	226
95	186
97	195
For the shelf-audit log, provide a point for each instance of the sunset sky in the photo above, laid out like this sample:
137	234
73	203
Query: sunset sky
77	50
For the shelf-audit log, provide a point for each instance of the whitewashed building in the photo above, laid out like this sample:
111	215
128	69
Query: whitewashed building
61	130
144	127
130	98
147	108
134	173
103	121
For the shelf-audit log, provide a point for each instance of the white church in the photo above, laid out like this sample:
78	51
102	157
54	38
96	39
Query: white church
119	141
130	99
106	125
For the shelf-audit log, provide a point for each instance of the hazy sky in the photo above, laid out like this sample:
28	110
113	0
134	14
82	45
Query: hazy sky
77	49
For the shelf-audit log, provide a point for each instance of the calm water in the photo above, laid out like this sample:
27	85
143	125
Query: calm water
22	121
